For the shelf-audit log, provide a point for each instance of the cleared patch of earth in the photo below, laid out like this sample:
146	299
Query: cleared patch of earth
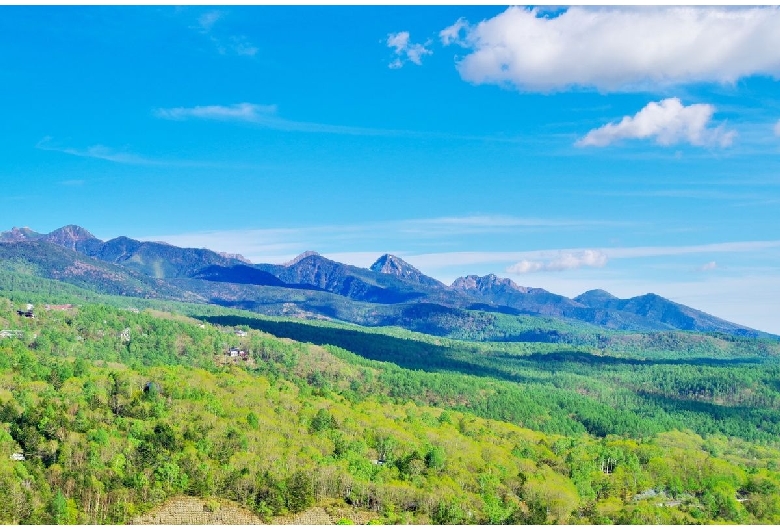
195	511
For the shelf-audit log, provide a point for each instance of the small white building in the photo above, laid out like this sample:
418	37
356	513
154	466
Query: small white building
17	456
236	352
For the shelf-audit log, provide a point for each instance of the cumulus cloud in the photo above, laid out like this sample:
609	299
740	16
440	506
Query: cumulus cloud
668	122
405	50
563	262
709	266
618	48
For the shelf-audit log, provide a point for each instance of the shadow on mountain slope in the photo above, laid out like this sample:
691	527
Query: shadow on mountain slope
411	354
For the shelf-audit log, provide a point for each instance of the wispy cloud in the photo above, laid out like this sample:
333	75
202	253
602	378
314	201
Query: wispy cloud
701	194
119	156
776	128
98	151
277	245
249	112
237	44
241	46
668	122
405	50
267	116
709	266
270	244
207	20
452	259
477	224
73	182
729	247
563	262
618	48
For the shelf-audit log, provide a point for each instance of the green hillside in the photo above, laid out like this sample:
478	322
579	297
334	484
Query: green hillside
116	409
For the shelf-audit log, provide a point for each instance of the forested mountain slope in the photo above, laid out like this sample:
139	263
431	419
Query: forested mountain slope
115	411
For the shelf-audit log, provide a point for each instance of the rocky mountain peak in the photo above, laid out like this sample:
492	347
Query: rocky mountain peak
300	257
465	283
389	264
395	266
486	283
15	235
69	236
237	257
595	296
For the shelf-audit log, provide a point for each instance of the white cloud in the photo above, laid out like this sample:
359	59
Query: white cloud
619	48
266	116
237	44
241	46
734	246
405	50
207	20
668	122
454	259
451	34
240	112
476	224
777	128
100	152
563	262
709	266
277	245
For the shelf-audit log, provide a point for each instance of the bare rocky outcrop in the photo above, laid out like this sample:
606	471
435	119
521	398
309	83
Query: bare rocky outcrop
395	266
489	283
70	236
300	257
15	235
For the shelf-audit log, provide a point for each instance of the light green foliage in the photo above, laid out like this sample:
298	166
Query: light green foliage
529	440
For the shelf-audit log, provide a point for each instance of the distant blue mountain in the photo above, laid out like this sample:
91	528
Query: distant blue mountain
326	287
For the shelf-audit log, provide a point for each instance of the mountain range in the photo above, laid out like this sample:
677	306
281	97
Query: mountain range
390	292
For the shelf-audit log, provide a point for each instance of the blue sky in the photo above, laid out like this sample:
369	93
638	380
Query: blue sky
634	150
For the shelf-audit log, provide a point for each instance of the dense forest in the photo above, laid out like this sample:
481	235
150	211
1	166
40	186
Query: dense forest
114	405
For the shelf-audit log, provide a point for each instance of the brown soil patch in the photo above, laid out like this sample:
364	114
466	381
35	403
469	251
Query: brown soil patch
194	511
